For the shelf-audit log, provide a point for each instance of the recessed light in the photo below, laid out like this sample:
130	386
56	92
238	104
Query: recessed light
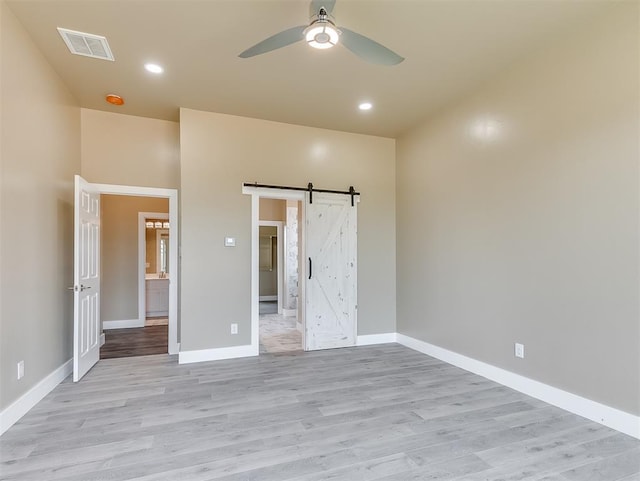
365	106
153	68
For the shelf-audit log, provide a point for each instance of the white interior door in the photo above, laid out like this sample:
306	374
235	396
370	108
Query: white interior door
86	278
331	272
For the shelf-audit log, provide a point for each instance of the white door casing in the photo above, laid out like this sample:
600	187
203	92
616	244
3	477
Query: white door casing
331	281
86	278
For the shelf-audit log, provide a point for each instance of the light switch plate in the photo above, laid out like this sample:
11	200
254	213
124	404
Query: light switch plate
229	241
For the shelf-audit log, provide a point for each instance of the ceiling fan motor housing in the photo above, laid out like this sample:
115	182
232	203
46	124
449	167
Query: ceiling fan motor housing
322	33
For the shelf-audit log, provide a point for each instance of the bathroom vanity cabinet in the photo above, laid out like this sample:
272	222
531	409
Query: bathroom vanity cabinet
157	292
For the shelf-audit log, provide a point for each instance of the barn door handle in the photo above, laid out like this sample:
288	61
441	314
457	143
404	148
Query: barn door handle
310	268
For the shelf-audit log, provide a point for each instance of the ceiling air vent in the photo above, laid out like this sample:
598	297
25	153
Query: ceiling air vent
86	44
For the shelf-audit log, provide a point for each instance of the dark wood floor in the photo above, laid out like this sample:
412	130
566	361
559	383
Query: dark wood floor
141	341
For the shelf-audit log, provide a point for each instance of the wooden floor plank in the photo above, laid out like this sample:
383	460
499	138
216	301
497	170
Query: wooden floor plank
137	341
359	414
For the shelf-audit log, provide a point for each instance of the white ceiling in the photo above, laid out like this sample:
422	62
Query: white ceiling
450	46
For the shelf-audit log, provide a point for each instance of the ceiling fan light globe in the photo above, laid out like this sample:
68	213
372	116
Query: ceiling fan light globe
321	35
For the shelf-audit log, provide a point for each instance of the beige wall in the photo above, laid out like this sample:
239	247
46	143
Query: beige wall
119	253
40	153
129	150
530	234
216	159
273	209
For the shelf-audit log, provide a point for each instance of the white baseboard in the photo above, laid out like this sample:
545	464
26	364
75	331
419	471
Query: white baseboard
21	406
299	326
370	339
124	324
289	312
611	417
186	357
268	298
103	339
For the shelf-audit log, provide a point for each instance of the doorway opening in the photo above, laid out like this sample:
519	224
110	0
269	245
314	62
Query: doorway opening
89	336
153	268
278	265
327	264
134	275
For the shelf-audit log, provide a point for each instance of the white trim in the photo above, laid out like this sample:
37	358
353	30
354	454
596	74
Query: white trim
103	339
274	193
268	298
289	312
256	193
186	357
21	406
122	324
255	274
369	339
611	417
172	195
115	189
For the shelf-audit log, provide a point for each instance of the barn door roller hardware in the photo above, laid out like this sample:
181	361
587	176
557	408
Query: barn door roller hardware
309	188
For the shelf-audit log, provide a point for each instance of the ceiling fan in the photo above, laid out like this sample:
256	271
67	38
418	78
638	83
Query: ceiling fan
322	33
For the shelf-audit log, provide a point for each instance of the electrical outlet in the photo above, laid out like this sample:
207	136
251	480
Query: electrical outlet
20	369
234	329
519	350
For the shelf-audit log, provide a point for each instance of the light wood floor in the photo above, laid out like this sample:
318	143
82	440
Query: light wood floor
369	413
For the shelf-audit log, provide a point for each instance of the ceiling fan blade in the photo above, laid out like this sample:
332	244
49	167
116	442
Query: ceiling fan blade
316	5
279	40
368	49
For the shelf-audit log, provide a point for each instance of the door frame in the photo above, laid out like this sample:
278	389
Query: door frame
278	224
256	193
142	259
172	195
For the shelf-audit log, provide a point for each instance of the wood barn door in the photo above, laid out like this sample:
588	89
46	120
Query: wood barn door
331	272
